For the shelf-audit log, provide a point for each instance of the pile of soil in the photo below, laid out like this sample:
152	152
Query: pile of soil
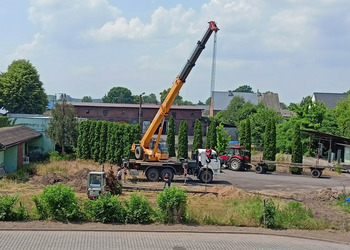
227	191
76	181
326	195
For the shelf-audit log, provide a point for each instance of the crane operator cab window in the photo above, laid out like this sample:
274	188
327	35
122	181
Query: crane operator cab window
96	180
162	146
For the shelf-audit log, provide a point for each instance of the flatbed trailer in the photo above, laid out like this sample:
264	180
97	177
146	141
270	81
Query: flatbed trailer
262	167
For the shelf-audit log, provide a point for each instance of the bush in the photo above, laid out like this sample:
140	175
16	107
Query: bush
56	156
22	174
172	204
8	211
106	208
57	203
270	213
138	210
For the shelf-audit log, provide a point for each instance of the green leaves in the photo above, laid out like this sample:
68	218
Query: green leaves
172	204
21	90
58	203
63	125
170	139
197	136
223	139
182	150
106	141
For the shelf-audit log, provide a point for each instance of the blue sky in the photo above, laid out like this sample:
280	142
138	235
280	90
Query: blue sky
86	47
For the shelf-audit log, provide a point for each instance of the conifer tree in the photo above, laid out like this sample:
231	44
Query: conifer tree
170	139
211	136
297	150
197	136
183	140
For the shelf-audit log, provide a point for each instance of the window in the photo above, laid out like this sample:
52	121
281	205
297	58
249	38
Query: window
105	112
173	114
192	114
123	112
87	111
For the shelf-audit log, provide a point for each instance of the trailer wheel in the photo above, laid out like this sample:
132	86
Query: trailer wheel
316	173
138	153
152	174
259	169
236	164
167	171
206	176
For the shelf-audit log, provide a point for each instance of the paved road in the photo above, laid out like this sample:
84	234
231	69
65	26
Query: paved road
154	240
250	181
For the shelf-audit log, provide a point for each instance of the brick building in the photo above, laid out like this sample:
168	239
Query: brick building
130	113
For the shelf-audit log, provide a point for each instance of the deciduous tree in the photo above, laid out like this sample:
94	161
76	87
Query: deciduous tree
21	90
63	125
118	95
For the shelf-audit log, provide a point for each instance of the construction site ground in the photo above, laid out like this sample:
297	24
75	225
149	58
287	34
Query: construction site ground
318	198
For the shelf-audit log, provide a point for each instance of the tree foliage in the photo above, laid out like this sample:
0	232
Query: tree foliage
269	152
86	99
63	125
178	99
21	90
182	150
343	117
297	150
104	141
211	136
245	135
222	139
170	139
197	136
118	95
244	88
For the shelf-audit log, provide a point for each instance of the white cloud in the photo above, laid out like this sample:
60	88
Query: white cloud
289	30
27	49
163	22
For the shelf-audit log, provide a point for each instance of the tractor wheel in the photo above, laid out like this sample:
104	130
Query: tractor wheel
206	176
236	164
167	171
152	174
138	153
316	173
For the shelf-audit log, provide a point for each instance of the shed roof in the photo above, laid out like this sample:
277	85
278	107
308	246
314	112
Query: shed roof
11	136
221	99
329	99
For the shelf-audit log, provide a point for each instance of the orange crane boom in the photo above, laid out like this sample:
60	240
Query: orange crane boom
142	150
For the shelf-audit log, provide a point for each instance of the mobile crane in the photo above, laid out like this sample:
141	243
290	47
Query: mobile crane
159	151
153	156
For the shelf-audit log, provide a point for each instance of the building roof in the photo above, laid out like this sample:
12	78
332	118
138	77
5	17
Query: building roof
327	137
329	99
221	99
132	105
270	100
11	136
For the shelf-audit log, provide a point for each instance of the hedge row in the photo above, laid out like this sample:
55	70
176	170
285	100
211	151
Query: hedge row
60	203
104	141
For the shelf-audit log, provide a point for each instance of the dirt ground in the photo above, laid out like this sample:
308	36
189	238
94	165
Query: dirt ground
74	174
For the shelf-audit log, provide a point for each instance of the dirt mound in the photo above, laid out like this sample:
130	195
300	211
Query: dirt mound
227	191
326	194
77	181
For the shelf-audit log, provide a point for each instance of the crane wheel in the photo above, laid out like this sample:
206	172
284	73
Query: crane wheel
138	153
152	174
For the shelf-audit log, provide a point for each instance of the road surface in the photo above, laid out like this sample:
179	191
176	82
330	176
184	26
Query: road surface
155	240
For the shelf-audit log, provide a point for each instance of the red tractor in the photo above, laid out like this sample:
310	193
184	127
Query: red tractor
236	158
